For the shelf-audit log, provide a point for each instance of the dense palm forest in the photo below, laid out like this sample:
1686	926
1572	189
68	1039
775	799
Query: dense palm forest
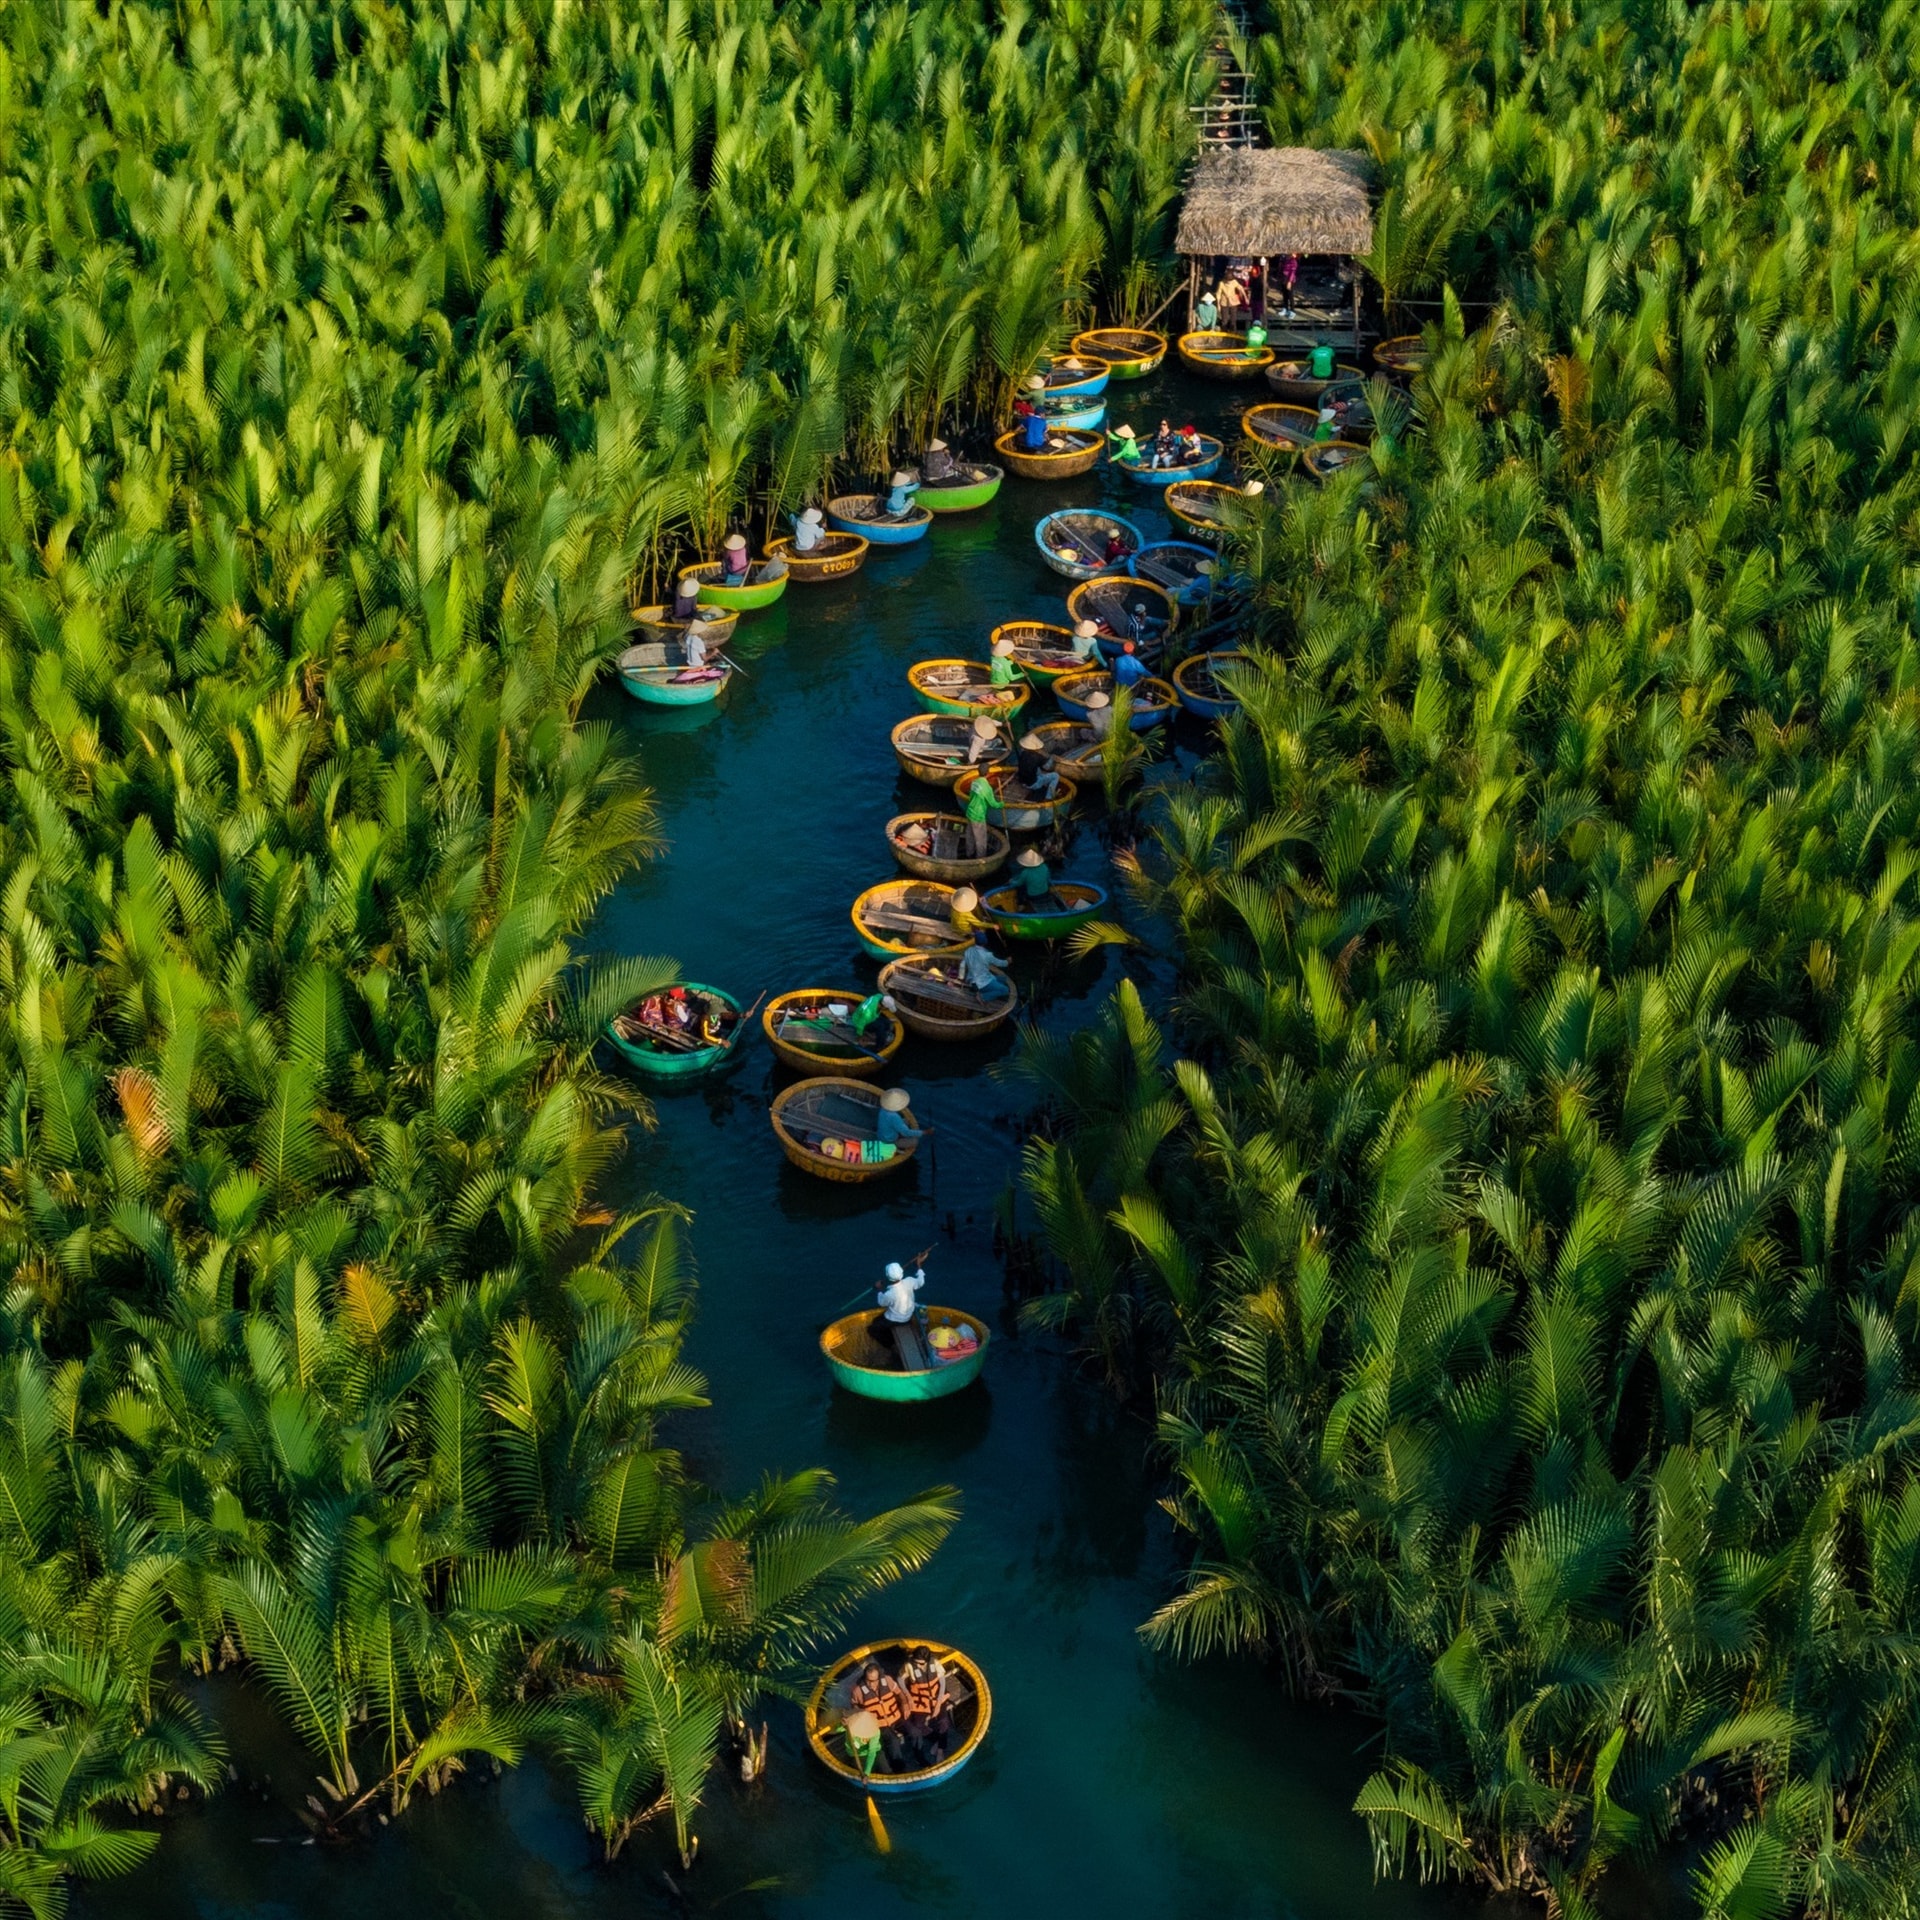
1515	1218
354	361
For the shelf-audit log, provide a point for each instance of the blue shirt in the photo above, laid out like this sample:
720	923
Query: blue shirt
893	1127
1129	670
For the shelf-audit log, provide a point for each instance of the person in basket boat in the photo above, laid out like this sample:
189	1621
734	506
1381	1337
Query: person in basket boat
1126	448
1100	715
915	838
1033	423
1326	424
686	599
900	499
1206	313
986	737
980	805
1034	770
899	1318
891	1124
693	647
939	466
877	1726
1256	335
1116	546
1003	673
807	531
1166	445
1034	883
867	1012
735	564
1191	450
1086	639
929	1724
1129	670
983	970
960	913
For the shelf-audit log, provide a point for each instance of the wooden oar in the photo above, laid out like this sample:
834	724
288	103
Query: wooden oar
837	1030
1086	546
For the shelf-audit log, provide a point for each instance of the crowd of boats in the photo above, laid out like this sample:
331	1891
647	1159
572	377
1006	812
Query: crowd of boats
975	879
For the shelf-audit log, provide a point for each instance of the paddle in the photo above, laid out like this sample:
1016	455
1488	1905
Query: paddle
881	1838
835	1030
746	1020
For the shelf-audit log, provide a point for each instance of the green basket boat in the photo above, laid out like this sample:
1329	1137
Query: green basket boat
862	1365
766	582
664	1062
961	494
1078	904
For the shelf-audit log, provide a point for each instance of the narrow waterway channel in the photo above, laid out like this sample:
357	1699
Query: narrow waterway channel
1113	1781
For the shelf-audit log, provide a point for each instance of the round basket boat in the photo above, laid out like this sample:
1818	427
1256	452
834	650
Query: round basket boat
948	859
657	623
900	917
1153	700
937	1005
1118	604
657	674
1075	904
1278	427
962	689
1296	380
816	1120
1020	810
1352	404
1075	373
1131	353
1182	568
970	487
1207	509
766	581
1401	357
1224	356
827	1712
868	1366
1072	746
866	514
808	1037
1074	541
1202	692
1070	410
832	557
933	749
1202	466
1068	452
1042	651
648	1050
1330	456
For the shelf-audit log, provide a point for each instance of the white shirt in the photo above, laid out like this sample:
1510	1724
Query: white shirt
696	648
806	535
1100	719
978	968
897	1296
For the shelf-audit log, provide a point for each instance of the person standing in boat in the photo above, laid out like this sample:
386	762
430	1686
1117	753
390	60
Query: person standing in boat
986	738
1129	669
807	533
939	465
929	1723
879	1699
1100	716
900	500
1033	422
980	805
982	969
1003	673
735	564
897	1297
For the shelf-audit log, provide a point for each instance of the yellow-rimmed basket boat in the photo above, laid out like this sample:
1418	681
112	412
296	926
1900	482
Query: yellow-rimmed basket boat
936	1004
963	689
766	581
1153	700
933	749
899	917
808	1037
872	1368
1208	509
832	557
828	1707
1114	601
1278	427
1294	379
1330	456
1131	353
1072	746
948	859
810	1114
1041	651
1224	356
1069	451
1202	692
658	623
1401	357
1020	810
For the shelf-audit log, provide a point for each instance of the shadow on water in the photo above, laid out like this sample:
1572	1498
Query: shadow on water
1113	1781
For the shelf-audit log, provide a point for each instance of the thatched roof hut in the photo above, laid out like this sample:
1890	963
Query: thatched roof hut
1265	202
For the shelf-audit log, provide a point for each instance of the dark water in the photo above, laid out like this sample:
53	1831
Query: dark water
1113	1781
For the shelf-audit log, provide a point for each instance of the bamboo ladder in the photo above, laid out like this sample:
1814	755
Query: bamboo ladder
1229	118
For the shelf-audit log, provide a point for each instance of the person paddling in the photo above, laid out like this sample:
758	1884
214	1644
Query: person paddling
939	465
983	970
1034	881
981	801
1003	672
879	1700
807	534
897	1298
900	499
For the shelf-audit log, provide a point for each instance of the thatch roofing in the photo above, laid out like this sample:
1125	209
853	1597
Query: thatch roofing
1254	201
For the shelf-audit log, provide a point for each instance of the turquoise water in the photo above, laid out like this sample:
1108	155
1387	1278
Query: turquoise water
1113	1781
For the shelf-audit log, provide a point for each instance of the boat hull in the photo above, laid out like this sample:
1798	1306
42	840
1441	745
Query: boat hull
1067	464
846	514
1197	590
1292	380
1002	906
840	1172
1075	416
932	766
957	871
745	599
822	1724
1131	353
1153	699
896	978
829	1057
1042	651
961	499
1081	567
1330	456
1204	468
885	943
1196	504
658	623
839	555
1224	356
1205	706
1006	703
1061	384
1031	816
682	1066
666	693
892	1383
1402	357
1095	600
1276	427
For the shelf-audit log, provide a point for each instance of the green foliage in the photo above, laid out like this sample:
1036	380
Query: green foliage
1526	1268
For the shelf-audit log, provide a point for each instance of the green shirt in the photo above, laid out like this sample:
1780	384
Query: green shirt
1002	672
866	1013
980	801
1035	880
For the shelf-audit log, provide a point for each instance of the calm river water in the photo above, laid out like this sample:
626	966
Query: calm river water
1113	1781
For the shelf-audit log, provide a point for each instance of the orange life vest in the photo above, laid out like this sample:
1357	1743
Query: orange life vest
881	1701
924	1695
